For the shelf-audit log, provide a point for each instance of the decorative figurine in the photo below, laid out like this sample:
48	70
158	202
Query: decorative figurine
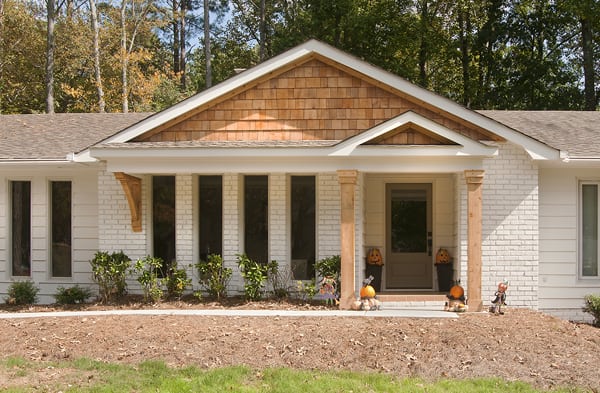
500	300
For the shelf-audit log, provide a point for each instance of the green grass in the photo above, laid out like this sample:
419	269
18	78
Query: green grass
84	375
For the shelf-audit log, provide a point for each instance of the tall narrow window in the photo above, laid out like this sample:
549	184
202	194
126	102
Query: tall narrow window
256	225
163	218
589	230
303	232
60	196
210	192
21	227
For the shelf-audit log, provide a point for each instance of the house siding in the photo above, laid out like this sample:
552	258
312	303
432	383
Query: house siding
84	223
561	288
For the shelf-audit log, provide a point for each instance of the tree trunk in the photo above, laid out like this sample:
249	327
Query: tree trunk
423	52
464	23
207	53
124	60
182	67
588	64
97	72
50	8
175	25
262	31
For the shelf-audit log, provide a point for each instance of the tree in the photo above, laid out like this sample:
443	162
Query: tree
50	44
97	72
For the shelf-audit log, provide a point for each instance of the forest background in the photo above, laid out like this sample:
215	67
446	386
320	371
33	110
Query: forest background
146	55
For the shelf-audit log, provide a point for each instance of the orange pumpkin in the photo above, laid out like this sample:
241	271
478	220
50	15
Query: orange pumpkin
457	292
367	292
374	257
442	256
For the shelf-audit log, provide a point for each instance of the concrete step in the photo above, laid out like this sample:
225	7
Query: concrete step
412	302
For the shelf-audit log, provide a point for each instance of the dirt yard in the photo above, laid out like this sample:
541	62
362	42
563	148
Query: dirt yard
520	345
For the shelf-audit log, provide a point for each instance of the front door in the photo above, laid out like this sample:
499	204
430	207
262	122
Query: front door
409	236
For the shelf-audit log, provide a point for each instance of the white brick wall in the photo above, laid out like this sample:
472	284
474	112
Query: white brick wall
231	227
278	215
510	233
328	216
184	222
114	223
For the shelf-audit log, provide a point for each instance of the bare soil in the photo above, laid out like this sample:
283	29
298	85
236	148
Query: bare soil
521	345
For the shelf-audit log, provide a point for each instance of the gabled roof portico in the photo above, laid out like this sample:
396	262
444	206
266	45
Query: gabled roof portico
315	109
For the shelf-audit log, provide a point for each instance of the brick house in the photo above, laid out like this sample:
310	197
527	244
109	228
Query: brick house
310	154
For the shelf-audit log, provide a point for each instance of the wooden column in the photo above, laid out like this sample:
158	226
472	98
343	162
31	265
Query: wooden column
474	180
347	179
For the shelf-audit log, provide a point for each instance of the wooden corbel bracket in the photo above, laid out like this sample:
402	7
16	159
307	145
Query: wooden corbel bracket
132	186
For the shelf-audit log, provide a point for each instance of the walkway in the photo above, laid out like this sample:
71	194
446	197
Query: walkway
385	313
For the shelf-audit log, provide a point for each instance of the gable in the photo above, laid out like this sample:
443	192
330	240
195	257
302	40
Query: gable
312	101
312	95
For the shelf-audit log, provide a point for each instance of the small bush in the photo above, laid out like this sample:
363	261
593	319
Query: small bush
280	280
176	281
72	295
214	276
306	291
330	267
22	292
110	272
150	271
254	275
592	306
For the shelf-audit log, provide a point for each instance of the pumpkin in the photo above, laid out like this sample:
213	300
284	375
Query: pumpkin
374	257
367	292
442	256
457	292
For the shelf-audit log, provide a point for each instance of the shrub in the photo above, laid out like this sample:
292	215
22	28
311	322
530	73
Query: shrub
72	295
110	272
22	292
176	281
592	306
330	267
254	275
214	276
306	290
150	271
280	280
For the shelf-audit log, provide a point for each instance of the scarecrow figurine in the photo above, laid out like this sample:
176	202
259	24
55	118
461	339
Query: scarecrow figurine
500	300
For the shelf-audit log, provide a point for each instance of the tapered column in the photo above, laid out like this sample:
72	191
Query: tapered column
474	180
347	179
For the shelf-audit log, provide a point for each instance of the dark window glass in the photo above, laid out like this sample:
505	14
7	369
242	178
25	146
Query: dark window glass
61	228
303	227
21	228
589	230
210	191
409	221
256	226
163	222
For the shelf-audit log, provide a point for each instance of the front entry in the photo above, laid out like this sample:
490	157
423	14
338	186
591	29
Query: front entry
408	236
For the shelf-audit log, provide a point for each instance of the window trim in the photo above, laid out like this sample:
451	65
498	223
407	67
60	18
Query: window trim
580	185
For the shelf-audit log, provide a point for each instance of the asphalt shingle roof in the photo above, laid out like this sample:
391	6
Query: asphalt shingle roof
576	132
52	137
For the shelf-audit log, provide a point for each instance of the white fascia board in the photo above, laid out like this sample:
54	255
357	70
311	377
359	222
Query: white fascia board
294	165
466	146
224	152
83	157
